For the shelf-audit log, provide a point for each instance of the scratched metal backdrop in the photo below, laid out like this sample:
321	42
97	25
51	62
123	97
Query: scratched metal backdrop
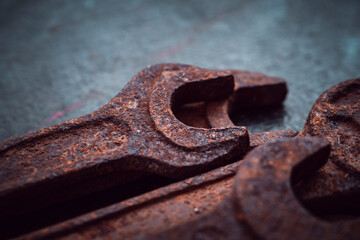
63	59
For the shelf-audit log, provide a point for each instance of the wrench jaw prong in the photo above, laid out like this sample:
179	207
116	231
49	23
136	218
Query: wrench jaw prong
251	90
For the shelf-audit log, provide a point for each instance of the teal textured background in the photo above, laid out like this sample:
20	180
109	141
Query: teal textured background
62	59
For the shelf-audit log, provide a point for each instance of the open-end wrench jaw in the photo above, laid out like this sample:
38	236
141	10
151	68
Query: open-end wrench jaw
177	88
135	131
264	192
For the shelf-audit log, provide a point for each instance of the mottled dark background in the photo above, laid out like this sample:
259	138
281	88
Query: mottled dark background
63	59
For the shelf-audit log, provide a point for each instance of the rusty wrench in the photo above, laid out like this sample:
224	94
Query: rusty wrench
280	156
259	204
135	131
264	195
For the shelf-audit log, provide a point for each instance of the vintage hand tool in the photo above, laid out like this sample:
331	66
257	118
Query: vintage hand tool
134	134
174	108
259	204
135	131
104	148
201	207
97	151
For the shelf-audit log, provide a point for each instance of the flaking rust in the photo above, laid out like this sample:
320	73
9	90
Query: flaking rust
335	117
135	131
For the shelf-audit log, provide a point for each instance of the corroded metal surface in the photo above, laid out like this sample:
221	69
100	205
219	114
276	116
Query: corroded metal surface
153	212
256	90
252	90
193	115
135	131
264	196
335	117
142	132
259	204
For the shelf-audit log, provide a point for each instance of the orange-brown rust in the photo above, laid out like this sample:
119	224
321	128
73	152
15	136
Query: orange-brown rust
135	131
158	211
139	130
251	90
264	192
259	204
335	117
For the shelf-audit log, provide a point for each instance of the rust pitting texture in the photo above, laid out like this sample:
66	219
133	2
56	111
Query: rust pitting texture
278	188
135	131
151	212
335	117
252	90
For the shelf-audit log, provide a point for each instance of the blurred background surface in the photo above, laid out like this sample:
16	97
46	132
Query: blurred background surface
62	59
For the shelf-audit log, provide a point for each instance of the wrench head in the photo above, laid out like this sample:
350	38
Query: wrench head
335	116
172	148
264	194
